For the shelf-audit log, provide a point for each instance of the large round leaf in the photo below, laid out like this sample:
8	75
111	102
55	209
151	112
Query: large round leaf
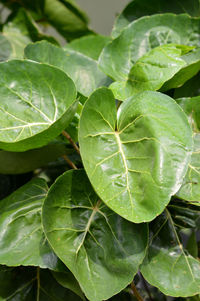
144	34
140	8
37	102
167	265
22	240
83	70
135	159
101	249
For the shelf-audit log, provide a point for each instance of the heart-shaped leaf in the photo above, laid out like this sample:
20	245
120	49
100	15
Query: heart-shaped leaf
167	265
22	240
136	159
101	249
142	35
82	69
190	189
140	8
151	71
33	111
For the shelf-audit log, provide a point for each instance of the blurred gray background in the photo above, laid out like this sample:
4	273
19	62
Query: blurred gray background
102	13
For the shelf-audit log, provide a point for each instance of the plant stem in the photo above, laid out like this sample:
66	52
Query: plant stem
68	137
146	286
38	284
69	162
135	292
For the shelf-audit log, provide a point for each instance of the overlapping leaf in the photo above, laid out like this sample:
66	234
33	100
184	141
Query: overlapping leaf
167	265
82	69
190	189
136	158
102	250
140	8
151	71
142	35
28	284
90	46
33	111
22	241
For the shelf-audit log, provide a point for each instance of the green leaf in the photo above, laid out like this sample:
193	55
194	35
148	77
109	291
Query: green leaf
68	280
20	30
192	67
192	246
151	71
167	265
140	8
19	163
190	89
72	128
83	70
5	48
33	111
135	159
67	18
90	46
28	284
22	241
143	35
190	189
102	250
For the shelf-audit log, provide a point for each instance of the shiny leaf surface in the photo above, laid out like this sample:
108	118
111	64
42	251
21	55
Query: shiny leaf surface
167	265
135	159
22	241
143	35
33	112
140	8
190	189
82	69
151	71
90	46
102	250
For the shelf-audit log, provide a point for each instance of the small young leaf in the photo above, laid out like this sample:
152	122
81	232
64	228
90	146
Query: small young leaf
167	265
102	250
82	69
22	241
136	159
140	8
37	102
143	35
90	46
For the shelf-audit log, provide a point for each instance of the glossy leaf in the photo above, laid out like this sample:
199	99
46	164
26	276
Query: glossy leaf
192	67
143	35
90	46
136	158
83	70
33	112
151	71
67	18
190	189
21	30
22	241
28	284
167	265
102	250
67	280
140	8
22	162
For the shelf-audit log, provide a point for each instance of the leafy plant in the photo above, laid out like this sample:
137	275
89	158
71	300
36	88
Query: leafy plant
100	153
